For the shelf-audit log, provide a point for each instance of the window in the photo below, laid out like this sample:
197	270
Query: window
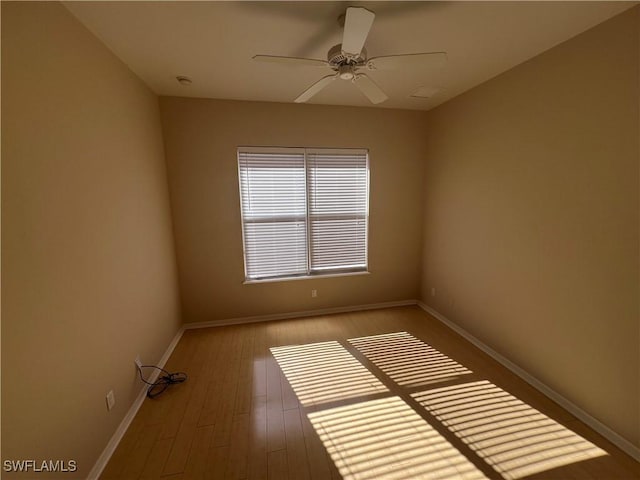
304	211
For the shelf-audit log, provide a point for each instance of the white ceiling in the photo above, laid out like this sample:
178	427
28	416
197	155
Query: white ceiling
214	42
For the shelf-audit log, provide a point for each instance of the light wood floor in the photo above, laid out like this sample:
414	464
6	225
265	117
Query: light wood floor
375	401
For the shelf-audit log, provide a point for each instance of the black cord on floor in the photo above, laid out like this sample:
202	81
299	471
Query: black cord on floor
163	381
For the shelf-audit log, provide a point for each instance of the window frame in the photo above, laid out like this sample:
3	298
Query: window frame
310	272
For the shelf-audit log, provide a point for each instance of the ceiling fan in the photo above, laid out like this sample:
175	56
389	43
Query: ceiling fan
348	58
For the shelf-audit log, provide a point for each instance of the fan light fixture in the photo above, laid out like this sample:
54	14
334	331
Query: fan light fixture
346	72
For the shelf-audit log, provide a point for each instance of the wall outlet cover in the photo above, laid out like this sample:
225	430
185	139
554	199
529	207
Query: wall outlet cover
111	400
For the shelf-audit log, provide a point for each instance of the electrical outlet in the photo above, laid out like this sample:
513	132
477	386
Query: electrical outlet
111	400
138	361
433	291
314	293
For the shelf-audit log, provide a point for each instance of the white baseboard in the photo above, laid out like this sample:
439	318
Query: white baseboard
104	457
305	313
598	426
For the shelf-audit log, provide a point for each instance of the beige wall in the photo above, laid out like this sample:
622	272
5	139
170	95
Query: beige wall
88	267
531	227
201	137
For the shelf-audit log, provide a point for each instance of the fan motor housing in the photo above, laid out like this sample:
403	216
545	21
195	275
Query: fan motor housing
336	58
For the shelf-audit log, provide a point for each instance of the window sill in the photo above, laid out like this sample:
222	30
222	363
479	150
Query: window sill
306	277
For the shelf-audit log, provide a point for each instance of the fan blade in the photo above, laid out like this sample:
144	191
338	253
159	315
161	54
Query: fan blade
390	62
315	88
357	24
370	89
292	61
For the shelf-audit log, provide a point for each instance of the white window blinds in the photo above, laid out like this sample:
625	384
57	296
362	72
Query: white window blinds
304	211
337	184
274	210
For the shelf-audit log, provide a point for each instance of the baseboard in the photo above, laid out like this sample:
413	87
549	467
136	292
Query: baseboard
305	313
102	461
595	424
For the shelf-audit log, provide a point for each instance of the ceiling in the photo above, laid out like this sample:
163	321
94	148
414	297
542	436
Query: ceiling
213	43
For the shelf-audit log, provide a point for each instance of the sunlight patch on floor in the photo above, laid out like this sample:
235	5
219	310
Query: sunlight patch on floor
407	360
386	439
325	372
514	438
